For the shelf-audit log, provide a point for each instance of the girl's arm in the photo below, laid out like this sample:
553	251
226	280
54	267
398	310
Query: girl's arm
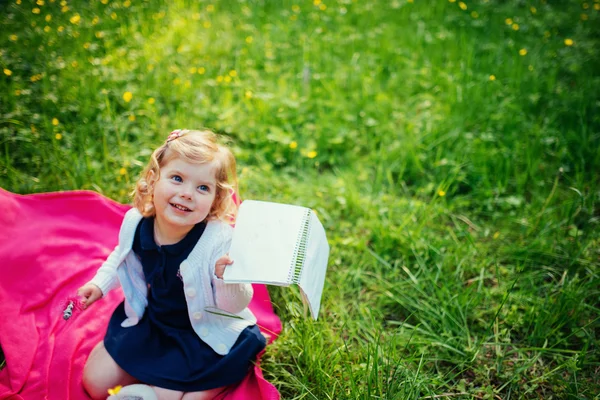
231	297
106	277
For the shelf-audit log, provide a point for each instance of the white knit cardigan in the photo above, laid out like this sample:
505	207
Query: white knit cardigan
218	311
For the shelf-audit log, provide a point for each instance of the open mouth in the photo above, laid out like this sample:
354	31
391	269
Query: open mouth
181	208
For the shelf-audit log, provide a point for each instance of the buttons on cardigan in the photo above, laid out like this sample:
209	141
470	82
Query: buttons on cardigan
183	265
191	292
221	348
197	315
204	332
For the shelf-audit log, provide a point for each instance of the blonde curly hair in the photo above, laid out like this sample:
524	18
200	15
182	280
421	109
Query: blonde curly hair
195	147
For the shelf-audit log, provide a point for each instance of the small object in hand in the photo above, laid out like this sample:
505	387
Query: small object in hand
68	312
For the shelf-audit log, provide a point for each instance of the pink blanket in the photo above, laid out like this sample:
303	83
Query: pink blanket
51	244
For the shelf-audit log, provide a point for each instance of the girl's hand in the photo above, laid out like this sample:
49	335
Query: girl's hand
221	264
90	294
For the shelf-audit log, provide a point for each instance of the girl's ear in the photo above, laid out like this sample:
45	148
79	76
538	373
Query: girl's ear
152	176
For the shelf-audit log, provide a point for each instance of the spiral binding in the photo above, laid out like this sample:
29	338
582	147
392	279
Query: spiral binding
299	255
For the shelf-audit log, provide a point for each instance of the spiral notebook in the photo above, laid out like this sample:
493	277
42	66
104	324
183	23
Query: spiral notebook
279	244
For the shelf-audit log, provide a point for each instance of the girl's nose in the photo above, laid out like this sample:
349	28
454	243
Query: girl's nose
186	192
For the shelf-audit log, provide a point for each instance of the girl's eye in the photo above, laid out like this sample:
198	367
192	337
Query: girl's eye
204	188
176	178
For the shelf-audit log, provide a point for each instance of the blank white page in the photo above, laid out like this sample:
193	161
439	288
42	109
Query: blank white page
264	242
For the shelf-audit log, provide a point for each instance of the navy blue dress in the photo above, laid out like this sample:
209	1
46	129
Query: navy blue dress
162	349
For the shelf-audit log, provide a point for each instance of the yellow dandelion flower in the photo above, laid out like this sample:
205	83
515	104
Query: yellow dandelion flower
60	29
248	94
127	96
131	117
13	38
58	136
293	144
113	15
233	73
533	10
123	171
151	100
569	42
496	235
17	92
99	34
150	67
63	3
75	19
584	17
210	8
585	6
176	81
441	193
47	29
452	1
508	21
597	6
40	2
311	154
316	2
219	78
201	70
410	1
36	10
206	24
126	3
462	5
48	18
193	70
515	27
249	39
492	77
55	121
227	78
104	1
86	46
117	388
95	20
523	52
7	72
474	14
322	7
18	1
74	64
65	9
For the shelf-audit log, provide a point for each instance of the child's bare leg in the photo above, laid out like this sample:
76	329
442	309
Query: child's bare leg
204	395
166	394
101	373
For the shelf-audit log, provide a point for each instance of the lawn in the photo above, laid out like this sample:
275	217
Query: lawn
450	148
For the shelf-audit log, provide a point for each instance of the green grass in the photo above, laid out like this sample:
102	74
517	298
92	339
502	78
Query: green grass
451	154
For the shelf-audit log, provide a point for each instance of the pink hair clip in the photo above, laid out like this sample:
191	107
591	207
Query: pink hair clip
174	135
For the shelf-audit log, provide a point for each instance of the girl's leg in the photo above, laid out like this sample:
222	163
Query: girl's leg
205	395
101	373
166	394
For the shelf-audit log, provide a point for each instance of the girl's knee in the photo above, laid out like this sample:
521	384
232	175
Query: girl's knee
101	373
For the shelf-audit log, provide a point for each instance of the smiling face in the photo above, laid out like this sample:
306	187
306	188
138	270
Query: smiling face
183	196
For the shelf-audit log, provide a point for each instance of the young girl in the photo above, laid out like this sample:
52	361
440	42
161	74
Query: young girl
181	331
